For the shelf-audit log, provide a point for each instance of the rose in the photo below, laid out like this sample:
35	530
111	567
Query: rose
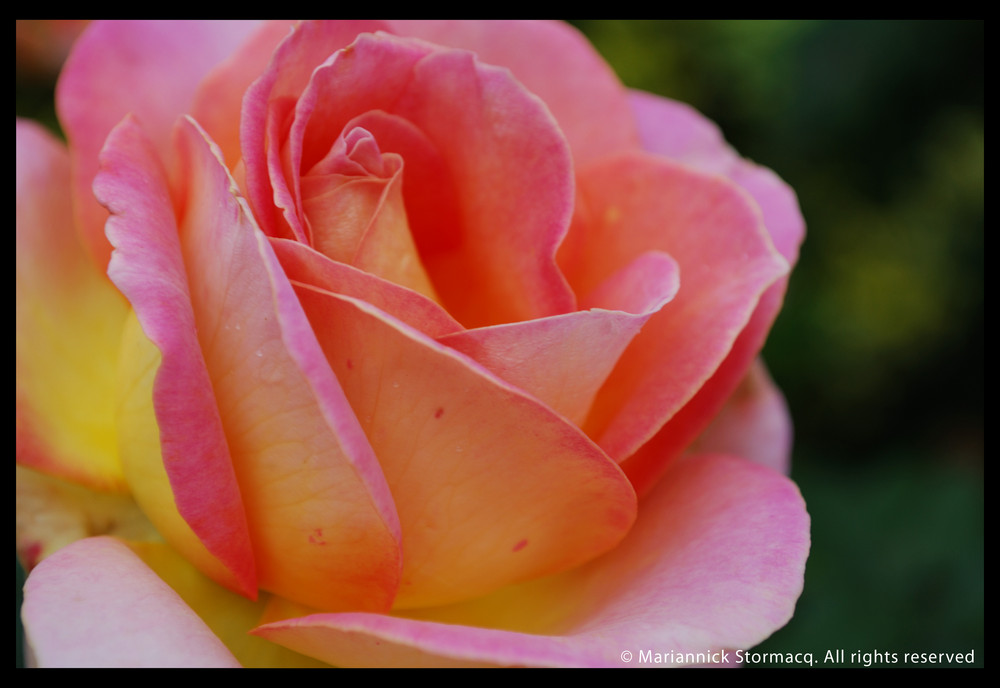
409	483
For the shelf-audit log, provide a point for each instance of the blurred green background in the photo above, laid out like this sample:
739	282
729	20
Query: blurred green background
878	126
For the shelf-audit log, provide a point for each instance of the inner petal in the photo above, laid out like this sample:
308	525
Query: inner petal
488	235
353	204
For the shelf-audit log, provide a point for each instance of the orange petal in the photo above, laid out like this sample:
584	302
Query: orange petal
491	486
354	207
322	521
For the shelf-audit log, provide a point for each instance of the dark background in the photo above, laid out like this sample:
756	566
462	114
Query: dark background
879	127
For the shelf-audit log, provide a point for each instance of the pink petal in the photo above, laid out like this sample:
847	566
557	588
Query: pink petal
754	423
219	98
491	486
288	73
507	163
647	464
564	360
680	132
95	604
305	265
634	203
150	69
556	63
228	615
715	561
148	266
69	323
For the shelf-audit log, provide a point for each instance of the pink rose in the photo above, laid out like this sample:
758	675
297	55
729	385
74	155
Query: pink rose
412	340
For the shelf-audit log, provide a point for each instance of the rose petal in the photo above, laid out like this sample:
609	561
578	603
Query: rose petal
150	69
754	423
208	522
355	212
714	561
95	604
219	98
69	320
563	360
321	517
491	486
645	466
508	164
634	203
333	553
288	73
555	62
229	616
307	266
679	131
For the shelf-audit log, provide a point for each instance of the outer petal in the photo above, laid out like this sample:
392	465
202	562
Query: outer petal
715	561
69	321
555	62
634	203
95	604
260	355
229	616
754	423
491	486
148	267
680	132
150	69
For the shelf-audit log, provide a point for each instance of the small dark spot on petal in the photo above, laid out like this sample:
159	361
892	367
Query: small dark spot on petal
350	364
439	412
521	545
